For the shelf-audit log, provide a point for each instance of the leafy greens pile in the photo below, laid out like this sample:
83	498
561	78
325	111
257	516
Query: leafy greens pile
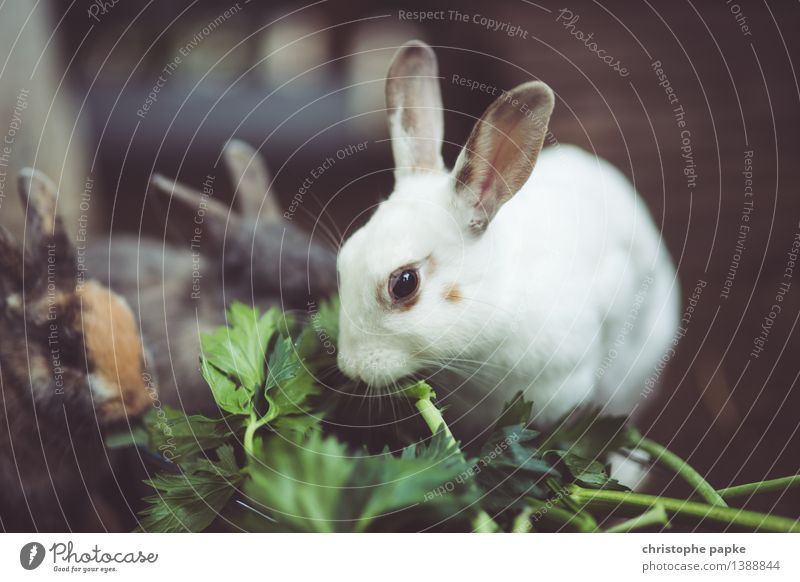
269	462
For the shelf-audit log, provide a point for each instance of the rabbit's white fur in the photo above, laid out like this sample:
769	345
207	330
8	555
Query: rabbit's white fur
568	294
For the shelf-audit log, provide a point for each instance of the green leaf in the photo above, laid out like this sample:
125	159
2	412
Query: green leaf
233	357
283	363
585	472
300	485
228	395
318	486
588	435
191	501
516	411
293	397
233	364
289	390
511	468
179	437
296	427
224	465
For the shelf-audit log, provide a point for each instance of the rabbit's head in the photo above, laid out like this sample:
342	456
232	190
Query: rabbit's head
69	339
403	274
259	256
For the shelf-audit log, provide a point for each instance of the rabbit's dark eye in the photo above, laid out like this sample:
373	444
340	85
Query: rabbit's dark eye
403	284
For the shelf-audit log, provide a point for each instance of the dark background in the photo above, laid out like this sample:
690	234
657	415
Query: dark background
734	417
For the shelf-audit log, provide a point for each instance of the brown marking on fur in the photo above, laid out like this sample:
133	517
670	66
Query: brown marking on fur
463	177
432	265
408	122
408	304
453	294
381	298
114	347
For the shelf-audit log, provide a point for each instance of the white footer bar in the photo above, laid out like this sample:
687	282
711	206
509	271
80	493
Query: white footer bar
406	557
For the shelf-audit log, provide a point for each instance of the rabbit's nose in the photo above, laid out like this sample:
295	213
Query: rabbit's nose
356	368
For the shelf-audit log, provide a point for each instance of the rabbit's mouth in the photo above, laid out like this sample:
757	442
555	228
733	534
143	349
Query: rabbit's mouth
377	369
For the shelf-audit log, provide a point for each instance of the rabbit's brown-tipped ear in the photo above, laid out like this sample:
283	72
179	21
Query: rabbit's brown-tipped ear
251	181
501	151
47	238
414	107
213	217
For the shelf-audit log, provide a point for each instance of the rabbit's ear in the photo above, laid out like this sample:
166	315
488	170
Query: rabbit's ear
251	181
211	217
48	241
414	107
502	150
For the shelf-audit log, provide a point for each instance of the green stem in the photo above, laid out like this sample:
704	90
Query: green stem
749	520
550	511
433	418
583	520
674	462
253	424
655	516
249	434
482	522
760	487
522	523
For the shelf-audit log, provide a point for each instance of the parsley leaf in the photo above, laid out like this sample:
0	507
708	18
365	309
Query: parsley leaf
585	472
233	357
179	437
516	411
190	501
318	486
588	434
511	468
283	363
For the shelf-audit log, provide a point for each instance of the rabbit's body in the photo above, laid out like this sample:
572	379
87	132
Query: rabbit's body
54	464
157	280
572	297
72	367
496	280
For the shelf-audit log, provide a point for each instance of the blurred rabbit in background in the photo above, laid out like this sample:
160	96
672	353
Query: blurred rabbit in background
248	254
72	367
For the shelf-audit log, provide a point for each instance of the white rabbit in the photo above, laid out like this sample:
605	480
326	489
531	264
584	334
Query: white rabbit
558	285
